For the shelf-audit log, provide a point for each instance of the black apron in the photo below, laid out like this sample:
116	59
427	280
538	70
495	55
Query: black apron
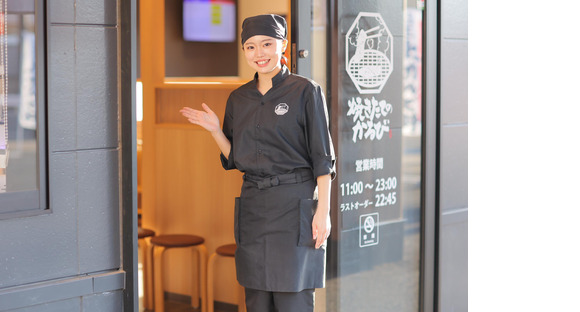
273	231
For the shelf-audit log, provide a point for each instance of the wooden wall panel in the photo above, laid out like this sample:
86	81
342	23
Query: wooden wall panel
170	100
194	195
184	188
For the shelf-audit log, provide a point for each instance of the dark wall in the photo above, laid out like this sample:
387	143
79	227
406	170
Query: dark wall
69	259
190	59
453	129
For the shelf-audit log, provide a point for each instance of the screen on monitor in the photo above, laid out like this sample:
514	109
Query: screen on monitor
209	20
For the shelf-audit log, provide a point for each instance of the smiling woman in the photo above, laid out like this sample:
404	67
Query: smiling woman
275	131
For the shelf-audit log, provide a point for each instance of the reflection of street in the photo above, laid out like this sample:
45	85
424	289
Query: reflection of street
21	170
411	179
389	286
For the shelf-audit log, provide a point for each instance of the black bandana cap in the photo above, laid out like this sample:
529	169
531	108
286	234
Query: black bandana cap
270	25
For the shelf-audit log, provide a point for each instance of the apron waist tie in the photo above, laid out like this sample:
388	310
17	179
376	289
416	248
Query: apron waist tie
298	176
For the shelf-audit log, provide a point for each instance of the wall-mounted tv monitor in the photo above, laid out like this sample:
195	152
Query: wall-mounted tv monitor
209	20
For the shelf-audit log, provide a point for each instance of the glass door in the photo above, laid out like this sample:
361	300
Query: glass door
368	56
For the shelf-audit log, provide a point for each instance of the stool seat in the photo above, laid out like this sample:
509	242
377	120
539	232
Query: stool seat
227	250
142	233
161	243
177	240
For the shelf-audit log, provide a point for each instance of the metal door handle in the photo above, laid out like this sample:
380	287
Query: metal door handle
303	53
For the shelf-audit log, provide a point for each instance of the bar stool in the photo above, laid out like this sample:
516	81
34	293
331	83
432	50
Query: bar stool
163	242
147	266
224	251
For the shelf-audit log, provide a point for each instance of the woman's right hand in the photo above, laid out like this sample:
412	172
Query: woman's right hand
208	119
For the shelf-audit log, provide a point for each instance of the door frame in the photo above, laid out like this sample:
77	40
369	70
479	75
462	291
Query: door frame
127	38
428	288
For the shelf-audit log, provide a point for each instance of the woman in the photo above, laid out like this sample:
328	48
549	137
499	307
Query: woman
275	130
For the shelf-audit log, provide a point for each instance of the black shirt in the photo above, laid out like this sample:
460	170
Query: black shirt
275	133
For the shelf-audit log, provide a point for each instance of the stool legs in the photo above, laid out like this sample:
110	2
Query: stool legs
241	299
158	277
148	276
210	299
210	265
201	251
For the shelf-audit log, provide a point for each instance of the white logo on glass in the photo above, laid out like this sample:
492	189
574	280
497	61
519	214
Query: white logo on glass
281	109
369	53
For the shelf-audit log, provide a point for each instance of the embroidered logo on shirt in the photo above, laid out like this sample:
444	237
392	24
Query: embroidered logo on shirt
281	109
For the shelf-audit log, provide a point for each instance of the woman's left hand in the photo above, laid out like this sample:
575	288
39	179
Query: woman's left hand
321	226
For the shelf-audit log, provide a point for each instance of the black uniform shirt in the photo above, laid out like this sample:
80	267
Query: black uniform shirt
275	133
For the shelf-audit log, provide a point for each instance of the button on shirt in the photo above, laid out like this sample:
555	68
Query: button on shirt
275	133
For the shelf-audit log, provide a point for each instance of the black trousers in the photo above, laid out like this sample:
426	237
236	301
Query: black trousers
268	301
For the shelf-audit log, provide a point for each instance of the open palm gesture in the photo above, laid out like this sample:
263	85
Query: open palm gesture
206	119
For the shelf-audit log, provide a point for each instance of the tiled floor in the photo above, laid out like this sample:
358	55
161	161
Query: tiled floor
174	306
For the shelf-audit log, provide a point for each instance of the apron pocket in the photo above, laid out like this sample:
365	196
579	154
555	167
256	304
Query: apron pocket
237	220
307	210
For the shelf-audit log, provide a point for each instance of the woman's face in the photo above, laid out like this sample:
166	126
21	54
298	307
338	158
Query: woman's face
263	54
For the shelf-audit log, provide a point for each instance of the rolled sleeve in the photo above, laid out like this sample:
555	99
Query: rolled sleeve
228	163
324	166
319	141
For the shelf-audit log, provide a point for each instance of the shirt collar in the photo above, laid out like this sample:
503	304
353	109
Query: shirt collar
280	76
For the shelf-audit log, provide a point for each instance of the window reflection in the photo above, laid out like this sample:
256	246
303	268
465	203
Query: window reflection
18	127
